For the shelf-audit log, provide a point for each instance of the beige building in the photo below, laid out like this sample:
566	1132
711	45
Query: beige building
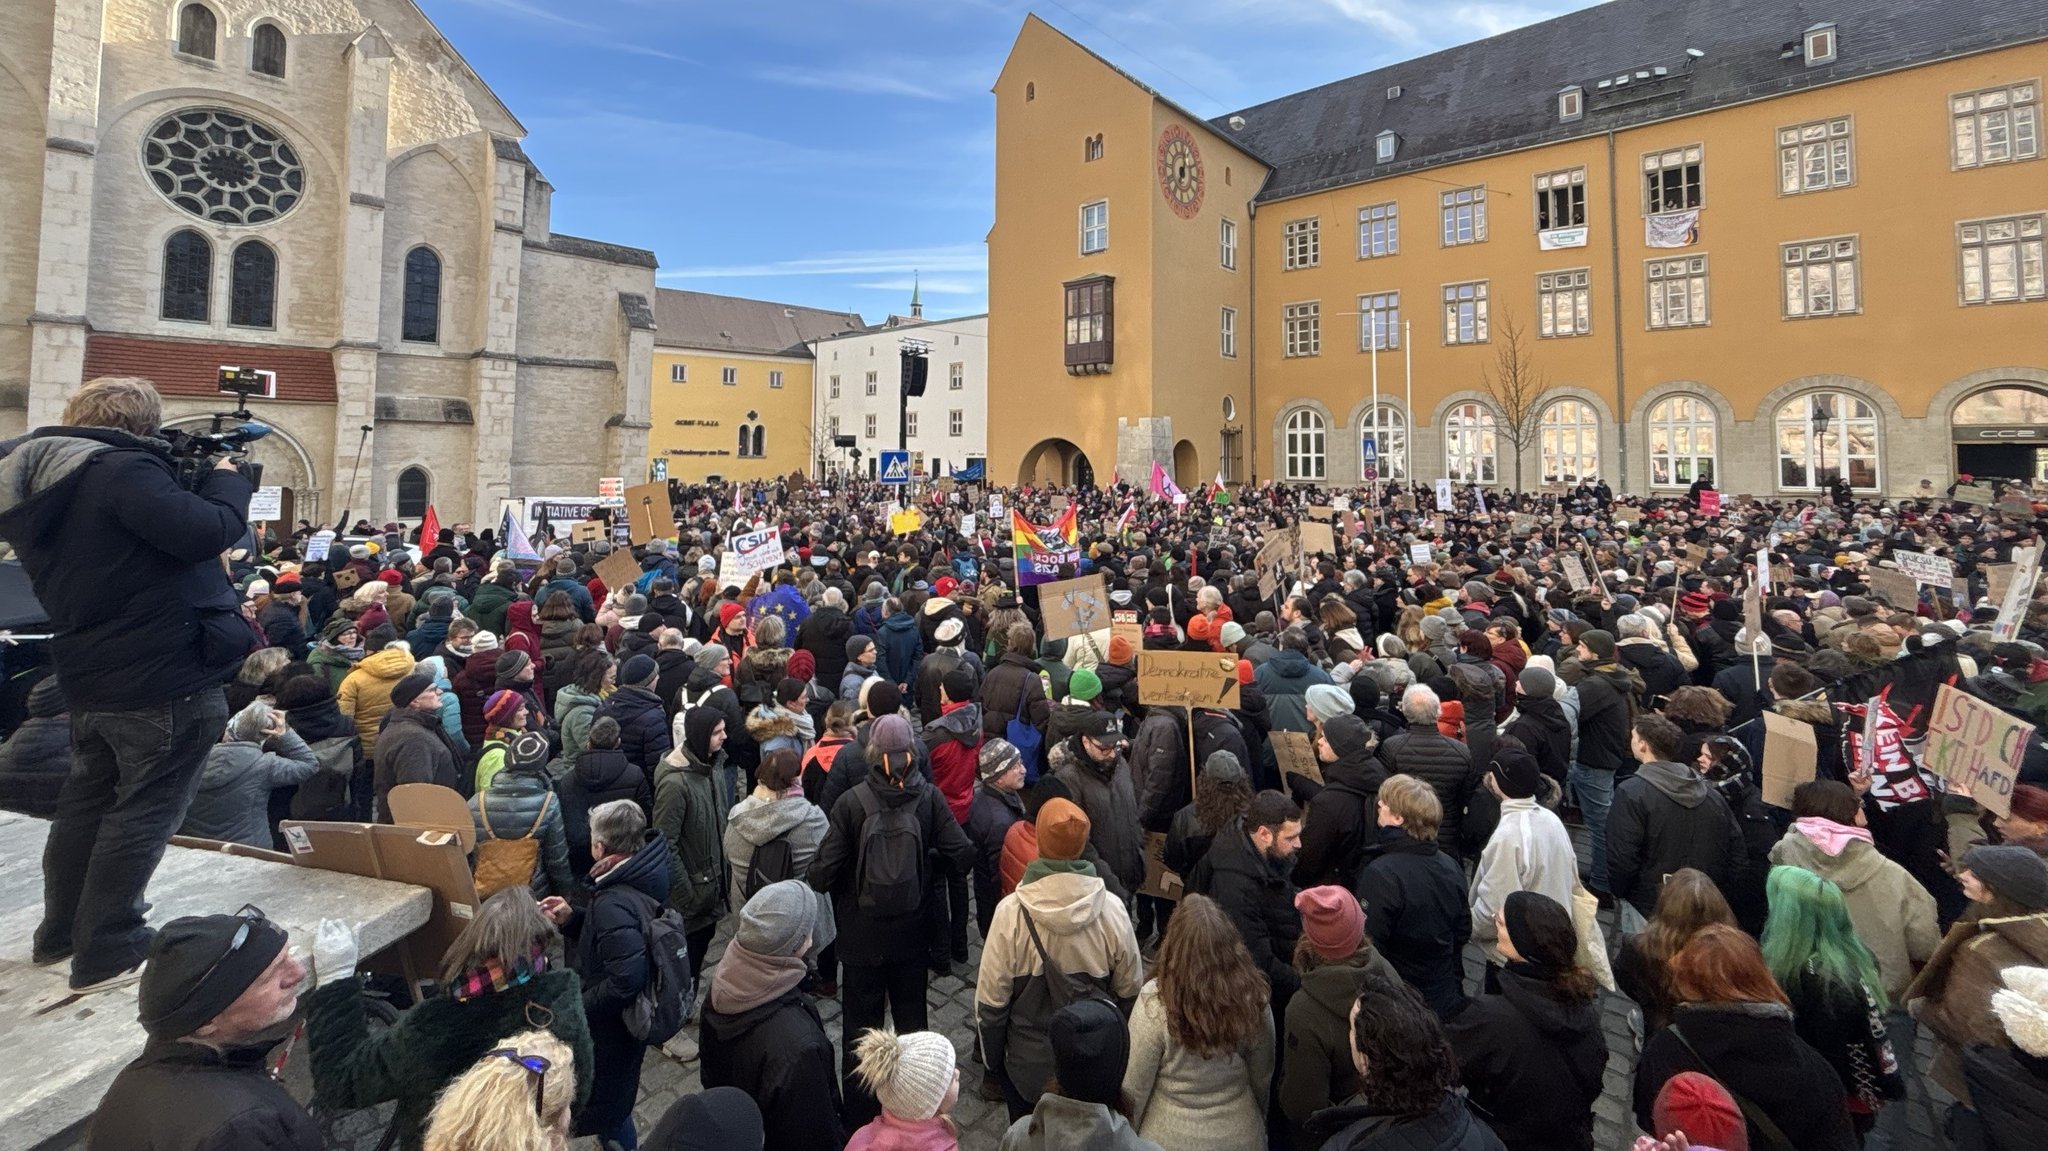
326	191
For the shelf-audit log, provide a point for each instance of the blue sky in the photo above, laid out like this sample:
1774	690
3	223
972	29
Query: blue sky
819	151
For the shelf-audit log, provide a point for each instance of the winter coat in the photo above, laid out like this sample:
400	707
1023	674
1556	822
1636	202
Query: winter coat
556	667
1532	1062
414	750
2011	1090
1317	1071
644	732
233	800
1012	688
1106	793
1755	1053
1667	817
706	690
125	563
673	671
1058	1123
1658	668
1451	1127
850	680
609	948
774	729
473	686
1339	821
1606	713
867	938
1444	764
692	825
334	663
1530	850
1284	680
886	1132
432	1044
1542	726
426	637
758	673
779	1055
755	821
989	818
365	693
517	800
1952	995
899	649
1191	1102
179	1096
824	635
283	628
575	711
953	741
1258	899
1086	932
599	776
1847	1027
1893	915
487	606
1417	915
34	763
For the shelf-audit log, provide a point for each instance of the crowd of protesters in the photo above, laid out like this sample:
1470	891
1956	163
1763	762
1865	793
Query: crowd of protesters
874	755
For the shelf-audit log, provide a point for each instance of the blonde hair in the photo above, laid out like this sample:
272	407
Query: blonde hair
1416	803
129	403
492	1106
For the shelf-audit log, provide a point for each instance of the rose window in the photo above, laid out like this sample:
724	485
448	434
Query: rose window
223	167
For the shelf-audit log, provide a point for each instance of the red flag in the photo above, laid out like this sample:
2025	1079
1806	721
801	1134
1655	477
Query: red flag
430	529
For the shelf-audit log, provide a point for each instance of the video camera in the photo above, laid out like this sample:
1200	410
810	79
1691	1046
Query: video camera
194	453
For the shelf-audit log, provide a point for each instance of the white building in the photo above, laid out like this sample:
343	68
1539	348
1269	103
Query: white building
324	189
859	377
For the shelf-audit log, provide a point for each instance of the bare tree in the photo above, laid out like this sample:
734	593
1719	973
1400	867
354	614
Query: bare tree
1516	384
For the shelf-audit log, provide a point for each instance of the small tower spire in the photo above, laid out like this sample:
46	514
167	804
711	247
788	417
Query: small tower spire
916	298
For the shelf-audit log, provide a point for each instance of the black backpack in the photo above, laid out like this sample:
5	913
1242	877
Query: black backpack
891	862
772	862
1061	986
656	1014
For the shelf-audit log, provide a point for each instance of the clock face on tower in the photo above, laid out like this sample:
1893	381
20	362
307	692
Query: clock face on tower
1180	171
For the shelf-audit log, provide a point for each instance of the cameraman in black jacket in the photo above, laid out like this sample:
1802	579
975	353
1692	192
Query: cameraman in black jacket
127	566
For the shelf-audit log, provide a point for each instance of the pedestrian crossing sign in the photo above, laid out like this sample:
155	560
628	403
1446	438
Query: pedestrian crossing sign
895	467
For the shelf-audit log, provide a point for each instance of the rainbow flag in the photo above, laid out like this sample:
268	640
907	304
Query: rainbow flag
1041	550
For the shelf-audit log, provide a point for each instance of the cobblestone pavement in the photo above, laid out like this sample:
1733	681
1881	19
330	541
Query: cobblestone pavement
951	998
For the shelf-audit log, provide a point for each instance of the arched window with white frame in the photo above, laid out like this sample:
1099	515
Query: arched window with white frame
1306	456
1471	445
1390	437
1568	442
1684	442
1822	435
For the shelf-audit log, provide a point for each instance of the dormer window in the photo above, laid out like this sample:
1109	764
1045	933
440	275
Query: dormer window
1384	146
1820	45
1571	104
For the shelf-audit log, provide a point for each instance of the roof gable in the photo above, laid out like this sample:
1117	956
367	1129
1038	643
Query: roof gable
737	324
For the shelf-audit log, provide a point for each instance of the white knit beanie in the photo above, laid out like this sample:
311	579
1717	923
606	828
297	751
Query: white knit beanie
2023	1008
909	1074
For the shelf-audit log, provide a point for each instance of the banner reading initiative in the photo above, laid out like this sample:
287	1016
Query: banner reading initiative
1041	550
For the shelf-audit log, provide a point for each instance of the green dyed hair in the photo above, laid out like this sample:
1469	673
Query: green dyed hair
1809	927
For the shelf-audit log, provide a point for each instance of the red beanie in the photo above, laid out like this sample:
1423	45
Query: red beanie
1331	921
802	665
1703	1109
726	611
1245	671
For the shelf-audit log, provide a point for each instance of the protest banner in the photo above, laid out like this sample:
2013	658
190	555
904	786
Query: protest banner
1295	751
1997	578
1317	539
1071	607
618	570
1710	503
1574	571
757	551
1627	515
1159	882
906	521
2012	609
1039	552
1976	747
586	531
318	546
729	573
1979	494
967	525
346	580
648	514
1790	756
1187	678
1444	500
1419	555
1897	589
1926	568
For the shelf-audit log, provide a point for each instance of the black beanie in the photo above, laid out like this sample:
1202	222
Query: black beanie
1089	1051
1541	930
192	975
719	1118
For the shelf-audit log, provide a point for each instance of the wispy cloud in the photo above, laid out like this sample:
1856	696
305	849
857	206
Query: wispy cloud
879	82
933	287
892	262
583	31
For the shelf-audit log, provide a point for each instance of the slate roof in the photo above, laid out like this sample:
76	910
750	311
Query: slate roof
588	249
734	323
1500	94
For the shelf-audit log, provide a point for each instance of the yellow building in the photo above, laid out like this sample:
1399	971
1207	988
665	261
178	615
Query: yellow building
1736	244
732	386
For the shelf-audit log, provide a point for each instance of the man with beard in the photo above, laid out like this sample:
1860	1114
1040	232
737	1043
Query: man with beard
218	993
1247	871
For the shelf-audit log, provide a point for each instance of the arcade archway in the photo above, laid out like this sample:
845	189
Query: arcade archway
1058	463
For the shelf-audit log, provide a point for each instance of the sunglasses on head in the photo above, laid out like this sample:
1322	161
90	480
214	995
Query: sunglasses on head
250	915
537	1064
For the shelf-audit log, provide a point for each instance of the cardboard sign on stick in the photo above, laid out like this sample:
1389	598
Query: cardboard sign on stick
1295	751
1187	678
1790	754
1159	882
1316	537
1574	571
346	579
1997	577
586	531
1976	747
648	513
1133	633
1897	588
1073	606
618	570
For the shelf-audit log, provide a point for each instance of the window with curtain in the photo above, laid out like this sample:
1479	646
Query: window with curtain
414	492
1471	445
1682	441
188	276
1568	440
1305	454
198	32
252	286
1822	435
422	316
1390	437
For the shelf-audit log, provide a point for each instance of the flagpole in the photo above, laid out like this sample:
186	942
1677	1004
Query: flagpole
1375	409
1408	367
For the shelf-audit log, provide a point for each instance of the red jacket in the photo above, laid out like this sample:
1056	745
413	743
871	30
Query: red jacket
954	743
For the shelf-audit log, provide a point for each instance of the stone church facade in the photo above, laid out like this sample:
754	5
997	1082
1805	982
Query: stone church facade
325	190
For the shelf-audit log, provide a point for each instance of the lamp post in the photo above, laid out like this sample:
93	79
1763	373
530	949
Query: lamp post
1821	416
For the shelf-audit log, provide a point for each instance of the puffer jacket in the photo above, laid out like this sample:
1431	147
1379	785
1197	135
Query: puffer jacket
233	800
556	667
1105	792
1013	688
1667	817
1284	680
824	635
1893	914
755	821
865	937
953	743
36	759
488	606
1318	1071
644	733
688	815
1445	764
414	750
365	694
1542	726
1606	713
575	711
473	686
1337	825
599	776
1259	900
900	649
989	819
1952	995
1658	669
1532	1061
519	802
1087	933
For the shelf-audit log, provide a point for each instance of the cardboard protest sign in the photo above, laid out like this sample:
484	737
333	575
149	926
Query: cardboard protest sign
1073	606
1926	568
1187	678
648	514
1133	632
1419	555
1574	571
1752	614
1979	494
1976	747
1059	503
1522	524
905	522
1319	512
1627	515
586	531
758	551
729	573
1898	589
618	570
1317	537
2012	608
346	580
1159	882
1790	755
1296	753
1404	502
1695	556
1997	578
1349	523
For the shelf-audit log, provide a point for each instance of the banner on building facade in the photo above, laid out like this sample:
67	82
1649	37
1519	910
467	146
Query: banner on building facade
1672	229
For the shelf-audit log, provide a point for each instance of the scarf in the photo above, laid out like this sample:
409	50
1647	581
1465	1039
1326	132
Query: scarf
492	975
603	866
1832	838
744	980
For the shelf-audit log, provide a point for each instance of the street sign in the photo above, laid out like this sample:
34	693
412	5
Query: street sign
895	467
1370	452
